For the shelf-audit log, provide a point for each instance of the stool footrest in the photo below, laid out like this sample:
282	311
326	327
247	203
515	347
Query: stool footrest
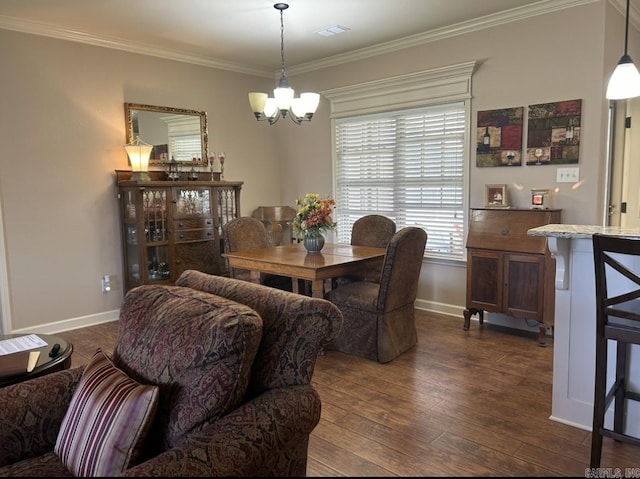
632	395
620	436
611	394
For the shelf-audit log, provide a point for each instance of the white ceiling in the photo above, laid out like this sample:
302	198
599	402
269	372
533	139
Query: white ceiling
244	35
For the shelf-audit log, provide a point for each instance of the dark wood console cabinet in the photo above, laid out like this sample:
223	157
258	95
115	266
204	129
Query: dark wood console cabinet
509	271
171	226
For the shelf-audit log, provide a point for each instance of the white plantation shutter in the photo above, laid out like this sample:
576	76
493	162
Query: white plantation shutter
407	165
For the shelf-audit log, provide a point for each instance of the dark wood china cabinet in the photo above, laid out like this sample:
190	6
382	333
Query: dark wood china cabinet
171	226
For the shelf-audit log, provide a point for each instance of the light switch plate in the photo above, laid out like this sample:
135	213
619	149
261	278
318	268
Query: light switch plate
568	175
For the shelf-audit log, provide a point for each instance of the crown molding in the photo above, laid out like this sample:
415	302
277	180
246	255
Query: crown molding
481	23
634	14
539	8
20	25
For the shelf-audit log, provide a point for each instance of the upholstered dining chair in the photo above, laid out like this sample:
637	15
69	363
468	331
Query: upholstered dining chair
373	230
245	234
370	230
379	318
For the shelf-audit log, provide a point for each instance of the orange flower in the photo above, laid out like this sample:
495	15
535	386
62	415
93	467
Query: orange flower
314	215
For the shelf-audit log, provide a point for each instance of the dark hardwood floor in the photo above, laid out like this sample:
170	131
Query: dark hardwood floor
461	403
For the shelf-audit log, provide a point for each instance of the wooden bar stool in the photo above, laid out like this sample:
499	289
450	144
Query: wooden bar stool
617	276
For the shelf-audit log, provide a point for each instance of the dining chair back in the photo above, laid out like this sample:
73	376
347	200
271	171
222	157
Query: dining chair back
369	230
246	234
281	215
617	277
373	230
379	318
274	234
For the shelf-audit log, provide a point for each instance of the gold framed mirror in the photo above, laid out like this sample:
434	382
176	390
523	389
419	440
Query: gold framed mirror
175	133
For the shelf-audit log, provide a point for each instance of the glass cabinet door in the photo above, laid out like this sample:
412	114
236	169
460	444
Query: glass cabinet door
192	202
193	231
131	242
156	230
146	235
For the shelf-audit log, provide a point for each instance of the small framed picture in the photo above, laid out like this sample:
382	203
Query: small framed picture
495	196
540	199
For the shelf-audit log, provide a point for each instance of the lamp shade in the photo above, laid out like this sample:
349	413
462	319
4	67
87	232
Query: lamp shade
270	108
311	101
257	101
625	80
283	97
139	152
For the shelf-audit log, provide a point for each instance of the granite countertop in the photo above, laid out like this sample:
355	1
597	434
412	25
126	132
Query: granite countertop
582	231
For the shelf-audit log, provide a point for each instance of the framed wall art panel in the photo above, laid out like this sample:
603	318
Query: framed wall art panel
499	137
553	136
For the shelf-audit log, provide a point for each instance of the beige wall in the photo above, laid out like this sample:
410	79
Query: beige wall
63	131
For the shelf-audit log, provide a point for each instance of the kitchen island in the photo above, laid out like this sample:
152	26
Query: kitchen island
575	325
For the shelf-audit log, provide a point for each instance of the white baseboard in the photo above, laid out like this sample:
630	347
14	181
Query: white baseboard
73	323
440	308
91	320
454	311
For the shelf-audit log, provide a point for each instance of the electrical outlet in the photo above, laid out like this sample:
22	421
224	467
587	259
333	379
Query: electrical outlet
568	175
106	283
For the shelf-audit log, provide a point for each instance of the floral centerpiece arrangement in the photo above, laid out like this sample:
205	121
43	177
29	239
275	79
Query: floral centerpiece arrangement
314	218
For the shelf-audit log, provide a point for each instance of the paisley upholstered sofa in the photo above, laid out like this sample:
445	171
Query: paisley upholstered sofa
216	372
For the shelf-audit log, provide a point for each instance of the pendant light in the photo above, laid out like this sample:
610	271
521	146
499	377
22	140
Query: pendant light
625	80
283	103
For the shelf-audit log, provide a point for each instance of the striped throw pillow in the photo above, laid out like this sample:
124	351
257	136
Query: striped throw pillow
107	421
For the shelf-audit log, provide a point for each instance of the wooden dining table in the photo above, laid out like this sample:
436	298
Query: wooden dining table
292	260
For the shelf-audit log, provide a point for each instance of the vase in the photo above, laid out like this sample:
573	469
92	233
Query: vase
313	243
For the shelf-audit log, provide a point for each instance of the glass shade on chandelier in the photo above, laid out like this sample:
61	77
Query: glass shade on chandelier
283	103
625	80
139	153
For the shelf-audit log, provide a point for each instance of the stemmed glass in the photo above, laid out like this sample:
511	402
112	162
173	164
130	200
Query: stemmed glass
538	154
222	156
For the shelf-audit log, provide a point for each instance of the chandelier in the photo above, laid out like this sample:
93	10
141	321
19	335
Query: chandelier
283	103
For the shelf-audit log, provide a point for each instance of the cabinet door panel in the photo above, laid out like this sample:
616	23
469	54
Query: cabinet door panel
484	280
524	285
202	256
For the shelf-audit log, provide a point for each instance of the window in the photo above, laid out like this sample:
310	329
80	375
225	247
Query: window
399	150
407	165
